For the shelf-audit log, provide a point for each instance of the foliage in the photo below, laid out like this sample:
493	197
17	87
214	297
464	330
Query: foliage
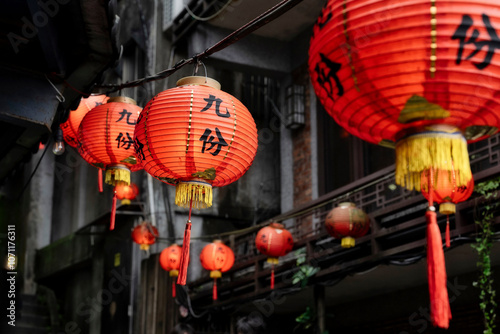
489	190
305	270
307	320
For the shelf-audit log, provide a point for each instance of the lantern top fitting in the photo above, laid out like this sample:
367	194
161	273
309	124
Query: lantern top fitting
197	80
122	99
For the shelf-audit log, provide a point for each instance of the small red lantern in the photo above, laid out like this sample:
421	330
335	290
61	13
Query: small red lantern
196	137
445	192
347	222
170	260
106	141
274	241
145	235
126	193
70	127
217	258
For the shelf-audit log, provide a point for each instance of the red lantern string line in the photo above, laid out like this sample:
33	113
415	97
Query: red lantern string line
272	276
214	290
113	213
181	279
99	180
174	289
258	22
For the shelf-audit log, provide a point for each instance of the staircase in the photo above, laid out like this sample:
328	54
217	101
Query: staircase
33	316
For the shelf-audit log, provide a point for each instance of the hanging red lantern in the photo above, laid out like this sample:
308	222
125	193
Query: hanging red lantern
170	260
70	127
106	141
347	222
145	235
415	76
196	137
446	193
274	241
217	258
126	193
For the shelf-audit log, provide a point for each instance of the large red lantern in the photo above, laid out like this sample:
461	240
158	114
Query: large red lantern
170	260
126	193
196	137
442	188
144	235
106	141
274	241
70	127
347	222
421	76
217	258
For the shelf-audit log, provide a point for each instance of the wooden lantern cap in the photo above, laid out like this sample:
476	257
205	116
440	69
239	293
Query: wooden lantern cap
122	99
198	80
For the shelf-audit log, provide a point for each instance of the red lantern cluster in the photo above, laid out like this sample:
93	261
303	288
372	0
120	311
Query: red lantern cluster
70	127
126	193
217	258
144	235
347	222
274	241
196	137
170	260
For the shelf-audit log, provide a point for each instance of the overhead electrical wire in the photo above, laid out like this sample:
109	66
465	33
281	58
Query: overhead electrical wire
258	22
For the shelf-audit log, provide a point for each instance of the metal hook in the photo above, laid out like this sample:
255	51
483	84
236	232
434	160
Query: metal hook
59	97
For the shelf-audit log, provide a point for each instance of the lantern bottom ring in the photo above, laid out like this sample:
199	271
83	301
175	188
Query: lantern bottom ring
173	273
215	274
348	242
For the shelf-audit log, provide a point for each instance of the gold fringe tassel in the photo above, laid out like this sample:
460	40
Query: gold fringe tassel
200	192
439	150
116	175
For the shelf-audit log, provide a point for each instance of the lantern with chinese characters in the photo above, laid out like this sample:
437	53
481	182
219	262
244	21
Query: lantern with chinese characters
106	141
145	235
126	193
217	258
347	222
71	126
274	241
443	185
196	137
170	260
421	76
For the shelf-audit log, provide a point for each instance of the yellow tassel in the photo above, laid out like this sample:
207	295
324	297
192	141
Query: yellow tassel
199	191
215	274
273	260
440	148
173	273
144	247
116	175
126	201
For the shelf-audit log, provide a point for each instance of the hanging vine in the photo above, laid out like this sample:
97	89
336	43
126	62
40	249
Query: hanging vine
486	214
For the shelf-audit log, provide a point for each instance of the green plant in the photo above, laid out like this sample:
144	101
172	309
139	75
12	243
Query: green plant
489	190
305	270
307	320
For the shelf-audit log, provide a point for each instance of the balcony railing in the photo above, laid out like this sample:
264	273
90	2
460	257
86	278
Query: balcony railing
397	231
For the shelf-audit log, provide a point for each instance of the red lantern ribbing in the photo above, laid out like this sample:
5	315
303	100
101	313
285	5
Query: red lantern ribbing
106	141
274	241
420	76
446	193
126	193
71	126
196	137
170	260
347	222
144	235
217	258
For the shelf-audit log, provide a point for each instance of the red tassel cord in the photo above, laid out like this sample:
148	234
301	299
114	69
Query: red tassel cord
113	214
447	234
99	180
174	290
436	274
214	290
185	250
272	277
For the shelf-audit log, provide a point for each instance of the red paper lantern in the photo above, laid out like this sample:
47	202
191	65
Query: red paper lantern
196	137
445	192
421	76
347	222
106	138
170	260
70	127
217	258
274	241
145	235
126	193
